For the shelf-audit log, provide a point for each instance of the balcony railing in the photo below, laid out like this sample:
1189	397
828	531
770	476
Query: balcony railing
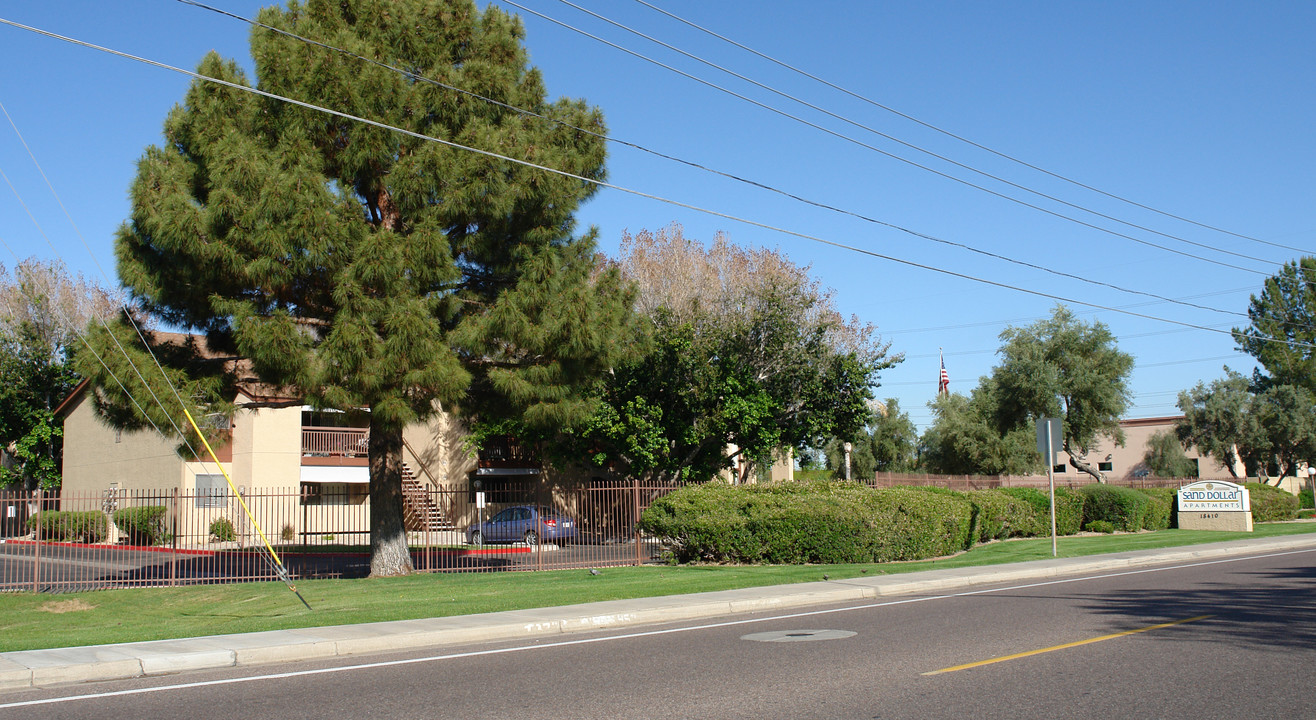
507	452
335	442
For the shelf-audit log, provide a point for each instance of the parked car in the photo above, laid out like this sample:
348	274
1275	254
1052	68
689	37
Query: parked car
524	523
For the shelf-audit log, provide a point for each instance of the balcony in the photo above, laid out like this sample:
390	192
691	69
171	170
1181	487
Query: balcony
505	455
335	446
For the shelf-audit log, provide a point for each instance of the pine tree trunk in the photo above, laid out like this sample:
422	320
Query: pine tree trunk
389	554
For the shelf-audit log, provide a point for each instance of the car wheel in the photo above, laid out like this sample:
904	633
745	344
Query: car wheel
531	538
477	538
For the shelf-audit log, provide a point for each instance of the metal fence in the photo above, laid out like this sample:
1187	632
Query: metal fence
987	482
119	538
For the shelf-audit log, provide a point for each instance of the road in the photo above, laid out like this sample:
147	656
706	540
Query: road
1220	639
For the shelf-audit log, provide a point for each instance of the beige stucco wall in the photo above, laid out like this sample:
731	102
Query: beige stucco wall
1127	460
97	456
267	446
436	451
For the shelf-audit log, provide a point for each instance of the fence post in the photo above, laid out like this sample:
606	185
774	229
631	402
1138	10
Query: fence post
36	565
173	562
635	527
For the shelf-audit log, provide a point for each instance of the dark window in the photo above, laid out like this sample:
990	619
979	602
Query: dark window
1106	466
1059	468
315	493
504	490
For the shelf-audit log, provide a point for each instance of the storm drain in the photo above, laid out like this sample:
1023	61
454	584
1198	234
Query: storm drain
797	635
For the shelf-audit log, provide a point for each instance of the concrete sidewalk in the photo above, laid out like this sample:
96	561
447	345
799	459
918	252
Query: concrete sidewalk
40	668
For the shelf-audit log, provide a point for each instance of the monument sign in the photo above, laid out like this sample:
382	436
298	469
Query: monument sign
1215	505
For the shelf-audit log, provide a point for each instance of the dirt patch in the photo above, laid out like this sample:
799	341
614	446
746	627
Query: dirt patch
66	606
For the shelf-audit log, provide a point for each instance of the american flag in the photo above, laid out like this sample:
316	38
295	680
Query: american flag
943	385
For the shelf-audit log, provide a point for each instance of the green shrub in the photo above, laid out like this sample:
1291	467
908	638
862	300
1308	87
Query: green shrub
1122	507
222	529
1069	508
826	522
998	516
1305	499
70	526
1161	511
1100	526
143	525
1270	503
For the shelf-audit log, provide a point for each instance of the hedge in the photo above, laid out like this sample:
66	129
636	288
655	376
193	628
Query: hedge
144	525
818	522
1069	508
1270	503
70	526
1124	508
998	516
1162	511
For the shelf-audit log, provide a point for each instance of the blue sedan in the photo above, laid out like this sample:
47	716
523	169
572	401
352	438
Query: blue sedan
525	523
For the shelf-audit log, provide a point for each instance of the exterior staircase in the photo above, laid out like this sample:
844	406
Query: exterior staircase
419	512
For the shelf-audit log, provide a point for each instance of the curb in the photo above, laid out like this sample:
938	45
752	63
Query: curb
41	668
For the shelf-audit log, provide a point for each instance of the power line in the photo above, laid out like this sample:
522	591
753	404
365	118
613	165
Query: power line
561	123
893	156
963	139
619	188
894	139
277	563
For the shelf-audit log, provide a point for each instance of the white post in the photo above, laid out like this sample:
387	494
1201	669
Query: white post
848	448
1051	482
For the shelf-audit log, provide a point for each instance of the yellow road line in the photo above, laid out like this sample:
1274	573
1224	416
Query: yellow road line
1077	643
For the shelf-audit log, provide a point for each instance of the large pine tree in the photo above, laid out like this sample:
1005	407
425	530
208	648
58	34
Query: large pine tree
371	270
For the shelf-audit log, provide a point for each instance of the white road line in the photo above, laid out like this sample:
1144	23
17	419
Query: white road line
627	636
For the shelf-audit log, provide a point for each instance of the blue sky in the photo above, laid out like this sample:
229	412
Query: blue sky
1198	109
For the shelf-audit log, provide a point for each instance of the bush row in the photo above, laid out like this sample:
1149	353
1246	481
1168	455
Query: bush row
1271	503
143	525
837	522
70	526
821	522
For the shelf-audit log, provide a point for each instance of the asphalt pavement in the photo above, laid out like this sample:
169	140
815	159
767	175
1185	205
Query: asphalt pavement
43	668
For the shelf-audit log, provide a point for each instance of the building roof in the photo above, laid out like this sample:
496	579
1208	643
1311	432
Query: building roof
247	385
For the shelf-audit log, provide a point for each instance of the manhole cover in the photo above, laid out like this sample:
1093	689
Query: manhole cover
797	635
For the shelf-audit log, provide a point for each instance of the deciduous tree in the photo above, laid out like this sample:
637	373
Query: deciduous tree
1218	421
43	310
1165	457
369	270
964	438
747	352
1062	367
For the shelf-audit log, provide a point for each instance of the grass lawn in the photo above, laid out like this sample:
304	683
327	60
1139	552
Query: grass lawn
32	621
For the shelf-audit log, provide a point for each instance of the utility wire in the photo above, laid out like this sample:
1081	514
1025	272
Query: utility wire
961	138
898	141
619	188
420	78
880	151
277	564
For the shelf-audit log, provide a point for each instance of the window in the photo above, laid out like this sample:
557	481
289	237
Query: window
211	491
1059	468
1107	466
318	493
217	421
503	489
